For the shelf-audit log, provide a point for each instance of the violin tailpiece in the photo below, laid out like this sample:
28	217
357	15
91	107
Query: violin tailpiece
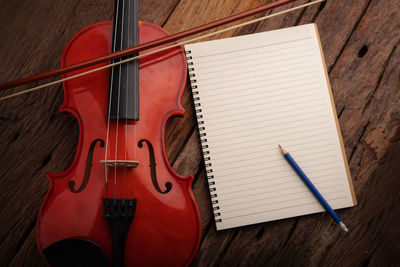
119	214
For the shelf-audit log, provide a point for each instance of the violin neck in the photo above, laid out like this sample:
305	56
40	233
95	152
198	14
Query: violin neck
124	79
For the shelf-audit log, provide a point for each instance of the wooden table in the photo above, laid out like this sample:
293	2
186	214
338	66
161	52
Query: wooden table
360	40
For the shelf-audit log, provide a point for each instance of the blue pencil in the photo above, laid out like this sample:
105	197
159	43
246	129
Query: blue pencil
313	189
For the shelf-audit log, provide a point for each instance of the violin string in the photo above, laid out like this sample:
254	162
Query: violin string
136	21
109	97
136	35
161	49
128	67
118	105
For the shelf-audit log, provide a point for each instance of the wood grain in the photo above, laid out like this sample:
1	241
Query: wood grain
360	40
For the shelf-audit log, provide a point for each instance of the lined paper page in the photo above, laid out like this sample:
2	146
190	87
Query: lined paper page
255	92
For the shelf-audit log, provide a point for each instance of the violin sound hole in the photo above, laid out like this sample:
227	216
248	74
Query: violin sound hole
153	173
88	169
75	252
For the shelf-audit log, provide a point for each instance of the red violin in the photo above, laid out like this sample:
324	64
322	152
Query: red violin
120	203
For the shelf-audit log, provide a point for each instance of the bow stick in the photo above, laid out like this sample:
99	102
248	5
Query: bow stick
148	45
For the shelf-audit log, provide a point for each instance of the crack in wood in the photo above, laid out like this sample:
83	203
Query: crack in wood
75	8
320	8
303	11
363	51
341	111
366	262
380	77
185	142
15	136
291	231
46	160
260	233
197	175
359	140
206	231
349	37
221	255
170	14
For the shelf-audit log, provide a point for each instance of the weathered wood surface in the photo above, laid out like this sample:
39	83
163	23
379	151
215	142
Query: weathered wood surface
360	40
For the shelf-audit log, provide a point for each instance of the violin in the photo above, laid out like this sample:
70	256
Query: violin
120	203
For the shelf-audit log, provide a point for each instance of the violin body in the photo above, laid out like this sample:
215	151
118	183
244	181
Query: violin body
165	229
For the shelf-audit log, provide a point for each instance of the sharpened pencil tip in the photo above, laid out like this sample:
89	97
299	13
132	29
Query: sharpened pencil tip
283	150
344	228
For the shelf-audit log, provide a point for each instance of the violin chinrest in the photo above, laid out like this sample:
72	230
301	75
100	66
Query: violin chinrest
75	252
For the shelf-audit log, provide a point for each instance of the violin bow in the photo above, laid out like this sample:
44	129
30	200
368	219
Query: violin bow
148	45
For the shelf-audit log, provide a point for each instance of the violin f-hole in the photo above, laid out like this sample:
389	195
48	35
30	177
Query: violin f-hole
88	168
152	166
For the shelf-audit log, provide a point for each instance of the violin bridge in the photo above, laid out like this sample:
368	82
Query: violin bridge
120	163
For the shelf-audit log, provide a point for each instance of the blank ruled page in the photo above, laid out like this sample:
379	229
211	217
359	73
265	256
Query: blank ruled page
252	93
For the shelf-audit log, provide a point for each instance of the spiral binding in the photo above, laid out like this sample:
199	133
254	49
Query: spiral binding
203	135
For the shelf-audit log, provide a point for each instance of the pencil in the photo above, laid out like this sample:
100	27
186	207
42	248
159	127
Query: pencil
312	188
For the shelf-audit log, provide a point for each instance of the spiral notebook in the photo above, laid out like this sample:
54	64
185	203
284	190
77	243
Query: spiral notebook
252	93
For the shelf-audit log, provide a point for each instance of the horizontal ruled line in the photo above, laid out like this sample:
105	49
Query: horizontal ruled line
272	143
265	124
248	164
266	51
242	190
210	68
265	211
206	76
277	120
267	101
220	176
256	110
281	135
268	90
275	202
272	173
221	81
263	149
264	85
257	156
251	48
225	186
